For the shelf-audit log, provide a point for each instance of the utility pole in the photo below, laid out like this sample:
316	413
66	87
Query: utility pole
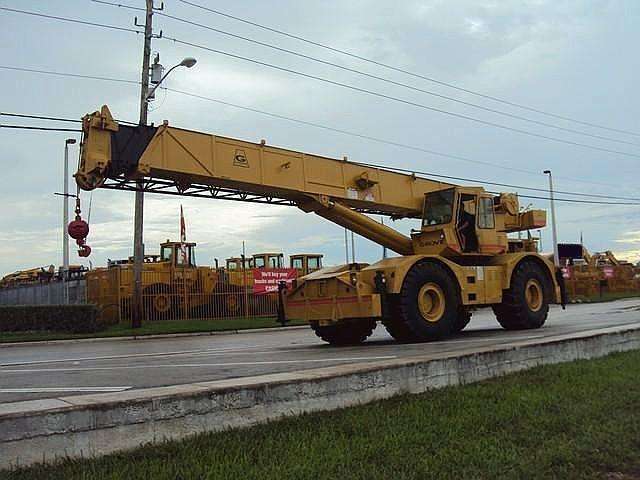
384	249
65	222
138	245
554	232
353	247
346	246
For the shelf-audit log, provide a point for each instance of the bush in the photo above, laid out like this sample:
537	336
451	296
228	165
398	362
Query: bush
52	318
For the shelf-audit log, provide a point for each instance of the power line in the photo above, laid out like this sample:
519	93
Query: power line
320	126
39	117
71	20
405	71
488	182
396	144
72	75
571	200
50	129
400	100
344	85
369	75
55	119
383	79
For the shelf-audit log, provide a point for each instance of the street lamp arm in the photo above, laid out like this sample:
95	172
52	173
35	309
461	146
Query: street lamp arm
150	94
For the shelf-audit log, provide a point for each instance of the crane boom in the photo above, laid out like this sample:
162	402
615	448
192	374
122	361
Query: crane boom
314	183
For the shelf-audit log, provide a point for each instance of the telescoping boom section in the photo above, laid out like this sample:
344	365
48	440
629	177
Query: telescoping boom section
459	259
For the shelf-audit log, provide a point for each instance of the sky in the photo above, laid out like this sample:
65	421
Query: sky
573	58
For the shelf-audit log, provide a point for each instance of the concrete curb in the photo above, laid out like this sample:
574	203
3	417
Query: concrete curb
91	425
153	336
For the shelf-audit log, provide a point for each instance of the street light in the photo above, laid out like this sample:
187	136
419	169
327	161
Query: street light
65	221
556	259
186	62
138	215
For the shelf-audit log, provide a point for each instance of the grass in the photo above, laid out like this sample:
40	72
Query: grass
152	328
579	420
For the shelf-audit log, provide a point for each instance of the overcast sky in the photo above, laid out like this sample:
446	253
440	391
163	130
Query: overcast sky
573	58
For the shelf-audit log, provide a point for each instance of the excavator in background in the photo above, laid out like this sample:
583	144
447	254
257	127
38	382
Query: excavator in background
460	258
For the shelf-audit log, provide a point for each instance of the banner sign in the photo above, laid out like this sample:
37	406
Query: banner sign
266	280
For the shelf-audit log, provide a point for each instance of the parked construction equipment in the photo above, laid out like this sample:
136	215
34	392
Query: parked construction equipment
461	257
590	276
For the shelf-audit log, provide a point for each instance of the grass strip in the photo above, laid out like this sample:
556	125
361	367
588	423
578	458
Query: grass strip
579	420
152	328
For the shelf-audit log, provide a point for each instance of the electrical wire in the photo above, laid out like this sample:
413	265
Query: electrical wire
488	182
387	142
336	83
369	75
50	129
405	71
571	200
324	127
393	82
71	20
39	117
398	99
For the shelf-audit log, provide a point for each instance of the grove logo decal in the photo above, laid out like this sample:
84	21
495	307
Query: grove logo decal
240	159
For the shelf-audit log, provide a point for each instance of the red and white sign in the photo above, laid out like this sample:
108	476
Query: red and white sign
266	280
608	272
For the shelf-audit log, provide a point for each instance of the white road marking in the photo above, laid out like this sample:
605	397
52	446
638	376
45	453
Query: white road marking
196	365
64	389
131	355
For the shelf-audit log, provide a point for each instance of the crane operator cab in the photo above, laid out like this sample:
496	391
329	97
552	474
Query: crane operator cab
465	221
179	254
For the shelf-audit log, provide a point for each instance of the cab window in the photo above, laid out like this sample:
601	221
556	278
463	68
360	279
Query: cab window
485	213
183	256
166	253
258	262
313	263
438	208
274	261
232	265
296	263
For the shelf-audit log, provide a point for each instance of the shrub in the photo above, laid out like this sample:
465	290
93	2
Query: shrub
53	318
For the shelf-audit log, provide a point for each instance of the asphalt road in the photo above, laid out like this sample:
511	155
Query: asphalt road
43	371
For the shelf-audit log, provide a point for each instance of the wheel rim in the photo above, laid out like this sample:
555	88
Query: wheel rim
533	295
232	303
161	303
431	302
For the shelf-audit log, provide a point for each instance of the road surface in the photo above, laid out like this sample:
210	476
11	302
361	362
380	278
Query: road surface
53	370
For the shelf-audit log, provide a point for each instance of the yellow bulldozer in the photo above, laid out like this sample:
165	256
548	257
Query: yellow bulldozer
173	286
303	263
459	259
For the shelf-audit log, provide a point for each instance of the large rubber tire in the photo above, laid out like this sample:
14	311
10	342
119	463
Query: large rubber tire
525	305
393	322
229	301
346	332
463	319
428	306
158	302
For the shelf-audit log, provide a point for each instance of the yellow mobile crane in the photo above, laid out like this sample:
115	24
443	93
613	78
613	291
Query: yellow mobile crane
459	259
